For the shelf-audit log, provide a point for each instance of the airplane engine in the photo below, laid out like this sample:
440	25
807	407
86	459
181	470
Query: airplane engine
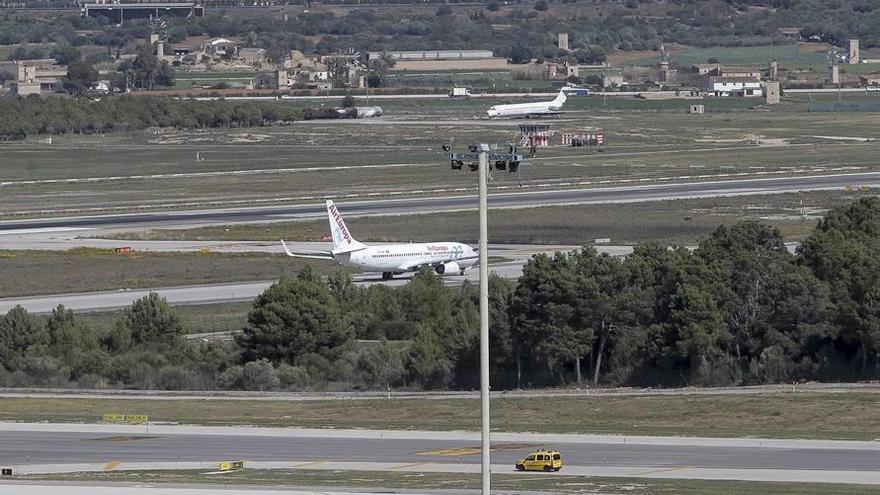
451	267
368	112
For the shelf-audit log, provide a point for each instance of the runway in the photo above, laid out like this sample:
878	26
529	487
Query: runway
241	291
28	229
208	294
232	292
35	448
637	192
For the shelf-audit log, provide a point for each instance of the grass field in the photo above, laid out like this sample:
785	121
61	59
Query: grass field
189	79
793	55
558	483
667	222
841	416
84	270
401	152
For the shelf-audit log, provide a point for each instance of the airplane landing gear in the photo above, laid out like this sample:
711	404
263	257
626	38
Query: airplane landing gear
387	275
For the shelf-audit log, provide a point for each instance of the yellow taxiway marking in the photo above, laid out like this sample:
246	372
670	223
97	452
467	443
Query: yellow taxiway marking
126	438
476	450
666	470
112	465
452	452
404	466
310	463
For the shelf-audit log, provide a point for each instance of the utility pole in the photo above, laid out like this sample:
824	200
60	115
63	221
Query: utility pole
484	319
478	158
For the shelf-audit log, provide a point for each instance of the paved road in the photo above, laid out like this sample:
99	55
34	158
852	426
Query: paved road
233	292
433	204
59	448
108	300
207	294
240	291
435	96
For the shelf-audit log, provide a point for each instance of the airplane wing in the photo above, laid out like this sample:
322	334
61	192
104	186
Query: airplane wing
553	113
318	255
432	264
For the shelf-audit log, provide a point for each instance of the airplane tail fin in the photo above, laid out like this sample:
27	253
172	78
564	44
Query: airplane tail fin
560	100
343	242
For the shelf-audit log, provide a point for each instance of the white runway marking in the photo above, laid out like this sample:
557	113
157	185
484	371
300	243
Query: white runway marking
46	230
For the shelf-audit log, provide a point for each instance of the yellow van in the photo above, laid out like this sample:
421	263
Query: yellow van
541	460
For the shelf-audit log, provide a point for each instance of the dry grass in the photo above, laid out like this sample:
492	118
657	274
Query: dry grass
558	483
645	139
84	270
669	222
843	416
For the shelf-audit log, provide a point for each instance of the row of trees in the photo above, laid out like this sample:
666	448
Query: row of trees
145	348
739	309
50	115
633	26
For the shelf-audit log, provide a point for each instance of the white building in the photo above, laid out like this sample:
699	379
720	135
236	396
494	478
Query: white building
734	86
219	47
433	54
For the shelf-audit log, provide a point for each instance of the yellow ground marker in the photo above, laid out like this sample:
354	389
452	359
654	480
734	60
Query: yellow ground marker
112	465
666	470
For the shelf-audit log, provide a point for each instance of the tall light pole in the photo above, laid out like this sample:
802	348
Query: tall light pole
484	319
503	161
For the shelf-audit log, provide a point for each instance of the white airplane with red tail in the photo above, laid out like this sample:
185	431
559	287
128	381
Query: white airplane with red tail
390	259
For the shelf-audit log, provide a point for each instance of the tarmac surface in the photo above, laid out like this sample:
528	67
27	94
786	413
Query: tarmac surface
230	292
434	204
48	448
209	294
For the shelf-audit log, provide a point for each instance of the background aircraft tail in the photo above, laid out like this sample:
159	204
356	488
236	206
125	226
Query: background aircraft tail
560	100
343	242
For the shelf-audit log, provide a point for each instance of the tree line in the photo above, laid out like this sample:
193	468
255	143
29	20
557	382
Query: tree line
630	25
35	115
738	309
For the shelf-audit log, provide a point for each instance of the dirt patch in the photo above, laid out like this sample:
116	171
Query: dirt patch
813	47
773	142
247	137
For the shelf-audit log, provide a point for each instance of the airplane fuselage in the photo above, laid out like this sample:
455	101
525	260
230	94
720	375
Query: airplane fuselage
535	109
523	110
400	258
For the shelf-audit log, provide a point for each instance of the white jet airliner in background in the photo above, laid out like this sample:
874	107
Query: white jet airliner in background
390	259
535	109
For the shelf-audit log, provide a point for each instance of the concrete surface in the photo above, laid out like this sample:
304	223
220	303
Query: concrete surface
468	201
207	294
677	472
229	292
42	448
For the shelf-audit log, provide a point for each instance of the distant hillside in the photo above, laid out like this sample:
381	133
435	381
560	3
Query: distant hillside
516	29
